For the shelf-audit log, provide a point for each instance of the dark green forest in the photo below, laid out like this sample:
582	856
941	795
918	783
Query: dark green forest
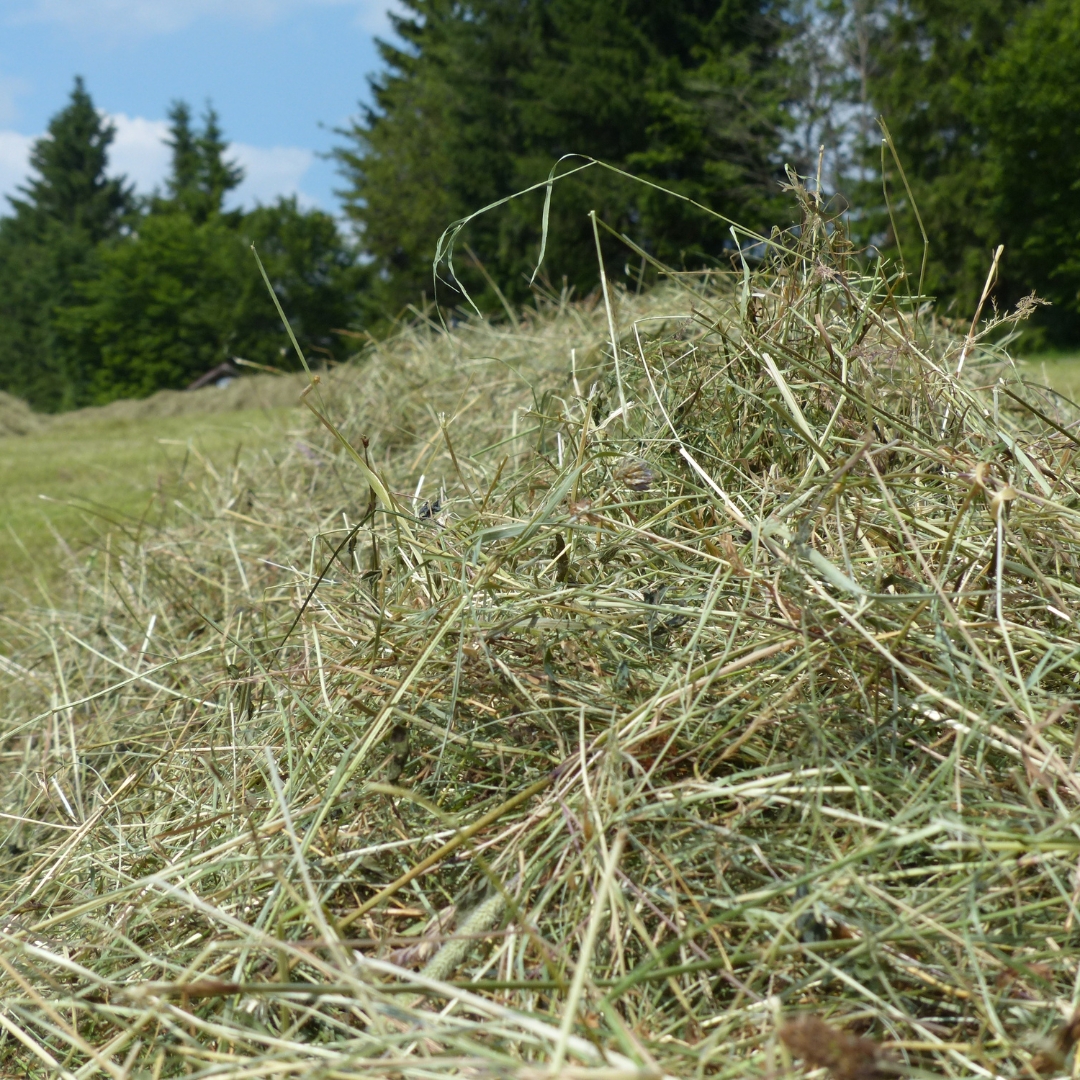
106	292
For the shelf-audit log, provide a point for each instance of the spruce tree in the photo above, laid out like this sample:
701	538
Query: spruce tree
485	96
184	147
182	293
201	177
981	98
48	249
164	305
927	76
1030	117
71	188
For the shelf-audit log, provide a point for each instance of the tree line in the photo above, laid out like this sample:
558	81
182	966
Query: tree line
107	293
104	294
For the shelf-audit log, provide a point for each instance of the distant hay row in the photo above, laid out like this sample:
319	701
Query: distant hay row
535	715
248	392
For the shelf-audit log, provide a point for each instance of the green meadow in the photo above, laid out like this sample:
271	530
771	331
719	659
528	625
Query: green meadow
67	484
1058	370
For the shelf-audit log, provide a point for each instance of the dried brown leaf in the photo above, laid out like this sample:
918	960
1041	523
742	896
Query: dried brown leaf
821	1046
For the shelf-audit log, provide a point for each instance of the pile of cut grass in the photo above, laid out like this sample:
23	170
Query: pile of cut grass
540	714
16	417
264	392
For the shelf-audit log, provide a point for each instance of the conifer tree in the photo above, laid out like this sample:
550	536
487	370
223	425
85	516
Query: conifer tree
1030	114
71	188
182	293
981	98
201	177
485	95
164	304
927	77
183	144
48	249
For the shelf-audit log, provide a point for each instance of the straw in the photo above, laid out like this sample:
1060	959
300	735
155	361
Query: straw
800	626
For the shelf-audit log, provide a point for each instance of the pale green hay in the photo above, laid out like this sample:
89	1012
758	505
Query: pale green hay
785	639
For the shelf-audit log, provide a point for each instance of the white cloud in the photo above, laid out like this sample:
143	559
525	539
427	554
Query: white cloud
375	17
127	18
139	153
14	163
270	172
10	89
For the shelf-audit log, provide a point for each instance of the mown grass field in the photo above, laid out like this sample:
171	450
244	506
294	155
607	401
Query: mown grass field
1060	371
679	690
65	485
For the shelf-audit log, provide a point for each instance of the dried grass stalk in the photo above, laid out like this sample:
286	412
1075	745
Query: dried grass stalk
798	622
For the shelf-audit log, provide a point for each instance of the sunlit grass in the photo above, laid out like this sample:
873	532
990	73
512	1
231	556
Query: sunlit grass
65	486
1058	370
499	728
584	694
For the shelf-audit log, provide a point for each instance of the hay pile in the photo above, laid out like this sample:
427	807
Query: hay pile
575	717
249	392
16	417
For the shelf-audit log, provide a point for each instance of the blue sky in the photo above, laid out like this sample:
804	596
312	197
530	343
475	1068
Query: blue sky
281	74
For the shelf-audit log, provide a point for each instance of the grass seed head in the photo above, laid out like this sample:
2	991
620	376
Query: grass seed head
623	720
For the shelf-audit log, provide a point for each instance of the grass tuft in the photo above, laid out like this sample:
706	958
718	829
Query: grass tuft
673	738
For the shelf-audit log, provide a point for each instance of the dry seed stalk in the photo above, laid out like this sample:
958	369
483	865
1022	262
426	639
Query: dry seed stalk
775	653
